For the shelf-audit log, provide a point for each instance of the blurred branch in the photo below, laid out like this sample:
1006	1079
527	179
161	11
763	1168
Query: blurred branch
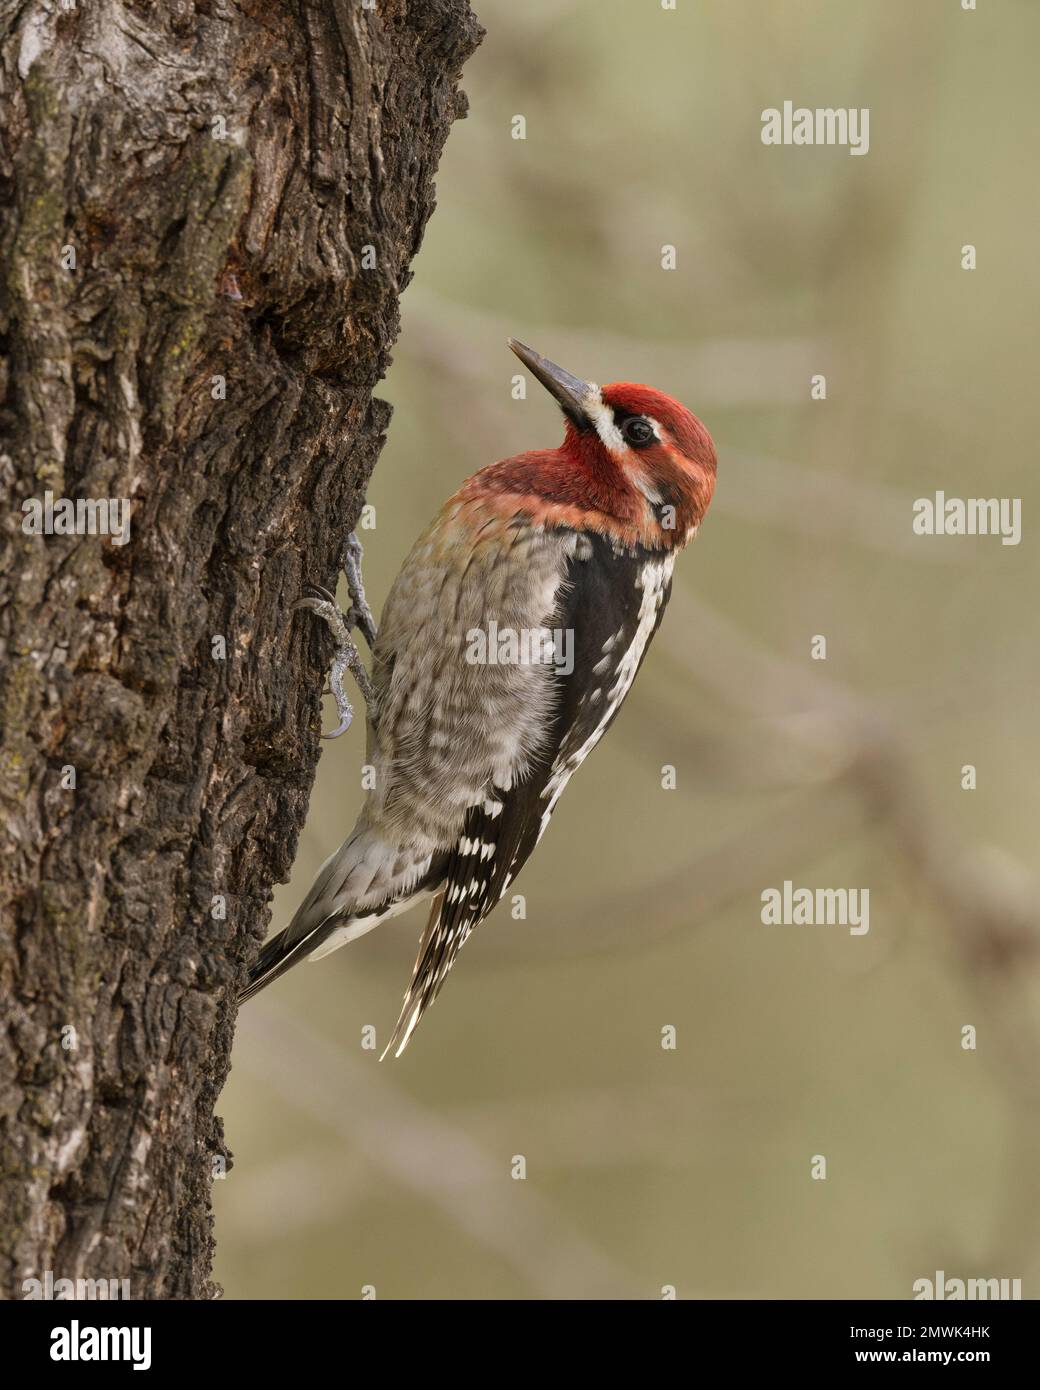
990	902
411	1144
579	1129
833	507
728	371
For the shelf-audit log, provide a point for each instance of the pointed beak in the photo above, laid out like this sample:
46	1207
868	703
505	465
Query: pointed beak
570	392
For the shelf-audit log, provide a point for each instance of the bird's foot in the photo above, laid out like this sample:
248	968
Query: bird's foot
351	565
347	657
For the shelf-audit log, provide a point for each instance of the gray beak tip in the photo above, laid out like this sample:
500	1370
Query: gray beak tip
568	391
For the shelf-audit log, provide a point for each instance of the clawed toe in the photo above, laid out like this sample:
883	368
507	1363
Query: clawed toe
322	603
352	557
346	657
346	718
314	595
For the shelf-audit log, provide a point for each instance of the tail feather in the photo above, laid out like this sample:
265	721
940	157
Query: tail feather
366	880
279	955
331	897
438	948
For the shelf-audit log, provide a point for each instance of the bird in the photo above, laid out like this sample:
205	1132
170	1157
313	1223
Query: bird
474	736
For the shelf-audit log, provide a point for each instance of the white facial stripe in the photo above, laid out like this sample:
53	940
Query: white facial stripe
603	418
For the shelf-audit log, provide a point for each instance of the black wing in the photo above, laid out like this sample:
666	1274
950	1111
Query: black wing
612	604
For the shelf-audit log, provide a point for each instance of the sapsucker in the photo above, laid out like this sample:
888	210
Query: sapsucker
471	753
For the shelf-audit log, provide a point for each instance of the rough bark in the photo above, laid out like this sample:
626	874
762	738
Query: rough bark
218	169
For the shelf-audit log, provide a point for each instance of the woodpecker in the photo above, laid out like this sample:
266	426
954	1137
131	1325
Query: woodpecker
471	756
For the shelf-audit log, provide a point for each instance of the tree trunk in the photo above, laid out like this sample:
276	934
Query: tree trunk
212	208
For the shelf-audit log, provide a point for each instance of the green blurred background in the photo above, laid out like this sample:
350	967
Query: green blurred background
691	1168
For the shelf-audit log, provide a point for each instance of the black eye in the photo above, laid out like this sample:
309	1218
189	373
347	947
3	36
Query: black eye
637	431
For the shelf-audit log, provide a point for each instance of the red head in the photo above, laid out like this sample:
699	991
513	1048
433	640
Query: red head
633	462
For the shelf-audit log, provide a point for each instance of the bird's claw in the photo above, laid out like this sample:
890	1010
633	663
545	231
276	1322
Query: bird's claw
346	653
353	554
347	658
